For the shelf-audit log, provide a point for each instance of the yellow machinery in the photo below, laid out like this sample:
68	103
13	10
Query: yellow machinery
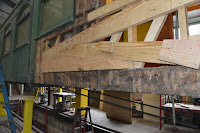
81	101
2	111
60	98
40	90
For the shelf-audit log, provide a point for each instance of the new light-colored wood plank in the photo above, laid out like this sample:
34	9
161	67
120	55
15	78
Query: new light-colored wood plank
77	63
183	22
194	37
132	34
114	38
153	34
132	37
110	8
97	56
132	16
155	28
182	52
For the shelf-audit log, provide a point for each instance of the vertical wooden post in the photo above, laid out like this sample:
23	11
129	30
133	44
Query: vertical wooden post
183	23
132	34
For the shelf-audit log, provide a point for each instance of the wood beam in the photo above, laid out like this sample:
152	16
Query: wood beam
132	34
155	28
153	34
179	81
110	8
97	56
194	37
132	37
116	37
131	16
183	22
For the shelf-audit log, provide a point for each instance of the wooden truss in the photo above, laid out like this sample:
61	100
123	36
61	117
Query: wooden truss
86	54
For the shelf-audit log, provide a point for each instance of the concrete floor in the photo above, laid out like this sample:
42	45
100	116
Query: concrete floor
138	125
20	97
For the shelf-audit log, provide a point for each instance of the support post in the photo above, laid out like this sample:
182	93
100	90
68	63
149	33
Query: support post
81	100
28	114
160	112
10	89
174	115
60	98
49	96
22	90
183	22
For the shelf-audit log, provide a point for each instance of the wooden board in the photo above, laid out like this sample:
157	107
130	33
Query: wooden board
110	8
115	112
97	56
167	29
183	22
132	34
74	63
132	16
181	81
194	37
155	28
182	52
152	34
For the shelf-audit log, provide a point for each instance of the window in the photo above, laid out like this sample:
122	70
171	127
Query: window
7	40
54	11
194	29
23	25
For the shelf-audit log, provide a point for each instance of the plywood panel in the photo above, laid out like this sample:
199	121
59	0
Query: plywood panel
117	113
182	52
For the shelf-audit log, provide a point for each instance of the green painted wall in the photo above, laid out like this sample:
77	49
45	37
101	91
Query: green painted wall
19	64
15	64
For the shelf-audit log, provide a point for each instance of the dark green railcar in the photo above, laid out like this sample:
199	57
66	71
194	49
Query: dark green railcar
30	20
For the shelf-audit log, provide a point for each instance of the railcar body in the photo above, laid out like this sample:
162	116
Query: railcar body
38	22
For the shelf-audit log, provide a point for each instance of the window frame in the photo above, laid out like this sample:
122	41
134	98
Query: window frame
18	21
58	24
4	35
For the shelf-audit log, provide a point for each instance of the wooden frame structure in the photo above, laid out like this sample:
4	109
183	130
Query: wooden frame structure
111	65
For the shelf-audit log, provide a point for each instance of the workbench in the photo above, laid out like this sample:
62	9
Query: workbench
191	114
183	106
64	95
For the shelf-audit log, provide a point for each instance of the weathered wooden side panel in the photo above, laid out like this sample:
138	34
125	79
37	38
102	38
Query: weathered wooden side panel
164	80
82	8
